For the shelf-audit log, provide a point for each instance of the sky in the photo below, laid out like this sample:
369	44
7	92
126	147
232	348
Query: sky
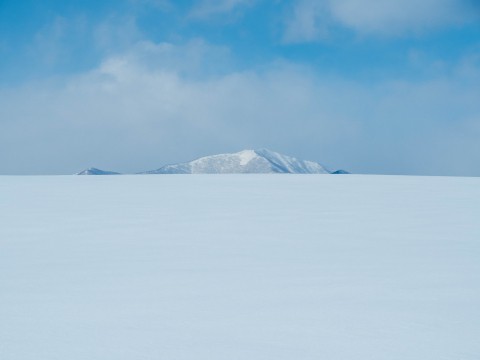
370	86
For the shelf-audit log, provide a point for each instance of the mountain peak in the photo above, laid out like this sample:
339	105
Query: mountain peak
260	161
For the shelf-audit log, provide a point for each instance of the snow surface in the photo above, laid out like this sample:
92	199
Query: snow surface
239	267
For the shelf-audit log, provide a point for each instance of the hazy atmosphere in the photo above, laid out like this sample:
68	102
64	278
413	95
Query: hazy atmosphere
370	86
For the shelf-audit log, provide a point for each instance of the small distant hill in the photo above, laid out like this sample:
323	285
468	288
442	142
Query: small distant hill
95	171
340	172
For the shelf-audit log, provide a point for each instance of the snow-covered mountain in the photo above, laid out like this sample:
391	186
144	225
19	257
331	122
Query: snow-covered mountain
95	171
260	161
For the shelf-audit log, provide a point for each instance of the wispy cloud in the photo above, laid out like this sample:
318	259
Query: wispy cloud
159	4
207	8
59	43
115	33
309	20
48	42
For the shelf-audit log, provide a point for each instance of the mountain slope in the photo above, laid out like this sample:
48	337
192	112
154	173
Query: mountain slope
261	161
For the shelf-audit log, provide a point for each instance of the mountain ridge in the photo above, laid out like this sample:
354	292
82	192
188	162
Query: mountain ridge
260	161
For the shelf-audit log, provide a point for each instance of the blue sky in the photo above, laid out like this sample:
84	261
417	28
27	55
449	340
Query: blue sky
129	85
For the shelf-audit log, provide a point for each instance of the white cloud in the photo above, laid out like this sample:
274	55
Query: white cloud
195	58
206	8
309	19
142	109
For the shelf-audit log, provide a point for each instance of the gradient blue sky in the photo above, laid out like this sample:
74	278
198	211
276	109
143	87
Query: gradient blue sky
372	86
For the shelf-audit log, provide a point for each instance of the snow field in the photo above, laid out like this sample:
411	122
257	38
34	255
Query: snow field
216	267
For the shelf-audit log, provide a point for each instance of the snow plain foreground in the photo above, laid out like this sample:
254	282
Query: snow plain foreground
239	267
